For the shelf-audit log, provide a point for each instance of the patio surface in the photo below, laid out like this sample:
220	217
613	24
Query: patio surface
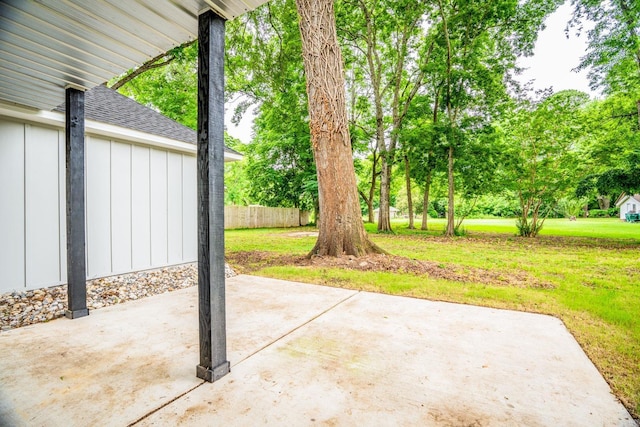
303	355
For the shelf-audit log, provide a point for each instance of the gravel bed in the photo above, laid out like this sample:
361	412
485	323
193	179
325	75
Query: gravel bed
41	305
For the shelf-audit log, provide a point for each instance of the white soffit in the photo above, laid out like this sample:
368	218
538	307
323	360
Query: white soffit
233	8
48	45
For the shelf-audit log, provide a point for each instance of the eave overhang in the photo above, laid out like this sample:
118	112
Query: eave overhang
48	45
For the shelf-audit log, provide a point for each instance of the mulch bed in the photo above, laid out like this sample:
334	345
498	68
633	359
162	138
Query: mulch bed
251	261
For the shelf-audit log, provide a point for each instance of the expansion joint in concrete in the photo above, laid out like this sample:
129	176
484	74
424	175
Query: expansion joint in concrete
342	301
147	415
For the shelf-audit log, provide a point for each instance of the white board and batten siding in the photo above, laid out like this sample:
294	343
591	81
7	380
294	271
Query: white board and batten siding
137	217
628	204
31	209
140	205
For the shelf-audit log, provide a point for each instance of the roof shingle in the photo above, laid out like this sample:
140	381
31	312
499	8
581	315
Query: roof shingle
108	106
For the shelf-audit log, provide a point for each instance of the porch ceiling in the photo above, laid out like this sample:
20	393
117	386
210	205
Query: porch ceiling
48	45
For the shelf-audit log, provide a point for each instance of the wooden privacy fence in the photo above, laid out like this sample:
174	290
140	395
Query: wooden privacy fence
263	217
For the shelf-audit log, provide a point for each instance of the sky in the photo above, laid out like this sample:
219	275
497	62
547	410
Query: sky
550	66
555	56
243	131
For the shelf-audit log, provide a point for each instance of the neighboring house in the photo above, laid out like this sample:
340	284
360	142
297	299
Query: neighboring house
628	204
141	189
393	212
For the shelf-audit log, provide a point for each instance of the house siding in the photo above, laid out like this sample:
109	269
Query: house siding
628	204
12	203
140	205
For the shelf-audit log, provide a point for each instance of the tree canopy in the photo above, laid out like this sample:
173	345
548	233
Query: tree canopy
436	121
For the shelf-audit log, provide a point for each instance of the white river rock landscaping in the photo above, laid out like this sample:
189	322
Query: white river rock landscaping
41	305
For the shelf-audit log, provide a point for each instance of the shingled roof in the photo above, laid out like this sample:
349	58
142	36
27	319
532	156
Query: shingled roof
623	197
108	106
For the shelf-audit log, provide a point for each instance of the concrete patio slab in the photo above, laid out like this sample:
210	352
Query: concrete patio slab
304	355
121	362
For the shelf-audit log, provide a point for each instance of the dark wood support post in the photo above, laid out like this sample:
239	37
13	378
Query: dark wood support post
76	264
211	280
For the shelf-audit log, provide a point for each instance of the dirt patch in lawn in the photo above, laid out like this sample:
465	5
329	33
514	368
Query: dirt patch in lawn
251	261
559	242
302	234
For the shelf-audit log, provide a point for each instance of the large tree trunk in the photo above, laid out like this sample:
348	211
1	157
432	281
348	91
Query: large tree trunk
450	205
409	199
341	229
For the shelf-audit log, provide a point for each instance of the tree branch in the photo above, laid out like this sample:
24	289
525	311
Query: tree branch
150	65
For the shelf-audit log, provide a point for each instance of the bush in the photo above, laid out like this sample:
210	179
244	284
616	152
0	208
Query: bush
459	231
571	207
438	205
505	206
528	228
614	212
598	213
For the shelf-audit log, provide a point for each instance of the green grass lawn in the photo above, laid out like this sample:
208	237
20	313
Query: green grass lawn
585	272
582	227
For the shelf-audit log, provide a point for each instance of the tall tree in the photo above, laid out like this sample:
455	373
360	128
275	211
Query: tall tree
386	37
613	138
477	46
421	145
368	171
613	55
264	60
279	162
479	178
613	60
407	178
543	151
263	56
341	228
362	130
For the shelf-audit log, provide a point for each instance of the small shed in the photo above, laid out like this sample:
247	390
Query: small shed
393	212
628	204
